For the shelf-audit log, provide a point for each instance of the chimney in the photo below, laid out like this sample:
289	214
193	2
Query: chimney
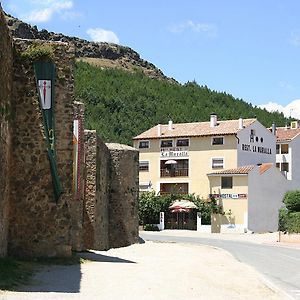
170	126
158	130
274	128
241	123
213	120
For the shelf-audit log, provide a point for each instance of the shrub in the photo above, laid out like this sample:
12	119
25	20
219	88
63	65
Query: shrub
150	227
292	200
293	222
149	208
282	220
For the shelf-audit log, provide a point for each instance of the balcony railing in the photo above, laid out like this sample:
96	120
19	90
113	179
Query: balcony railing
174	192
174	173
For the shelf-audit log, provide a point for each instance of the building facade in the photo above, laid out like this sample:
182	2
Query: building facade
232	161
178	157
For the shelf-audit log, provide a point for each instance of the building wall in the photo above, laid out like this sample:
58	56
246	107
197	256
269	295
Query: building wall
239	206
266	192
295	162
123	202
199	153
38	225
5	128
251	152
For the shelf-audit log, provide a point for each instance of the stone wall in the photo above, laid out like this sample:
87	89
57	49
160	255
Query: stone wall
5	138
96	192
97	211
40	226
111	194
123	202
77	205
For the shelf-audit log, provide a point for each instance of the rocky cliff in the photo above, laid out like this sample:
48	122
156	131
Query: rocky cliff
100	54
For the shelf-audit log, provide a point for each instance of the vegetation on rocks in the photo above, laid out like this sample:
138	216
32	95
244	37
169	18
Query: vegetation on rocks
37	52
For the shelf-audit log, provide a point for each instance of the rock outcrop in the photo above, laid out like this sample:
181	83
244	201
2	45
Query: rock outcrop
95	53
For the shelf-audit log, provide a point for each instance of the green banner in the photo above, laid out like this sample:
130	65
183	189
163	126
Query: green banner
45	81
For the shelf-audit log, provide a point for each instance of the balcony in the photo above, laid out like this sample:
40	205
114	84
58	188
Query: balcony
174	172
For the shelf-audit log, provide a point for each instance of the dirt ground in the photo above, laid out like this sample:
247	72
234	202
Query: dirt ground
151	271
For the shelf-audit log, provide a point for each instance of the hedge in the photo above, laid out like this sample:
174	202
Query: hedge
292	200
293	222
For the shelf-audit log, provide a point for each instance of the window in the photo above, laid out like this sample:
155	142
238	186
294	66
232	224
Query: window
284	148
285	167
217	163
179	168
144	144
278	165
166	143
277	149
218	140
226	182
182	143
144	186
144	166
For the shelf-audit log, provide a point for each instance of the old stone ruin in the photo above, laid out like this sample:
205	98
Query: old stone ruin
61	187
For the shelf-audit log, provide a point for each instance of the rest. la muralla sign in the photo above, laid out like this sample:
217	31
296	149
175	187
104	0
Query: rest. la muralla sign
174	152
254	148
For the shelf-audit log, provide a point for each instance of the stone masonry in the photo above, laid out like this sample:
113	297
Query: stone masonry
38	225
111	193
97	189
123	206
5	126
77	206
98	208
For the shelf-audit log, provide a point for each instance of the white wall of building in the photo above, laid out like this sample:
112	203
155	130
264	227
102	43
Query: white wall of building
265	194
261	149
295	162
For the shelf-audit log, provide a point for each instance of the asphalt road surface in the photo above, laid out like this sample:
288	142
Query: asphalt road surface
279	265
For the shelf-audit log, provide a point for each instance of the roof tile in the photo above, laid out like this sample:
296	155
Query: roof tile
194	129
286	134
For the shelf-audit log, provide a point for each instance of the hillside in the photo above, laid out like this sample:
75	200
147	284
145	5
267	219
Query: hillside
121	105
105	55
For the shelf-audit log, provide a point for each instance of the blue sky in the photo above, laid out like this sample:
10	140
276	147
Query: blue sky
250	49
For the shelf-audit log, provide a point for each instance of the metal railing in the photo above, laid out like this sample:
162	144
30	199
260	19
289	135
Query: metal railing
174	173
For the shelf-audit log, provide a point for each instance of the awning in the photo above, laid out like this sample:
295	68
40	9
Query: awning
182	206
171	162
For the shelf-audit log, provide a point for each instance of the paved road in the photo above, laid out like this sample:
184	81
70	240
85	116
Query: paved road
279	265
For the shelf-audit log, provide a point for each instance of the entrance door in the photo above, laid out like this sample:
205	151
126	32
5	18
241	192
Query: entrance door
181	220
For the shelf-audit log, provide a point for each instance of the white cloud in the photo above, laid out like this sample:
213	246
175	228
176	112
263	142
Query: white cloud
101	35
295	37
208	29
45	13
291	110
286	85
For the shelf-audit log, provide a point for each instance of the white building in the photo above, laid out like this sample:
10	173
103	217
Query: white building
288	152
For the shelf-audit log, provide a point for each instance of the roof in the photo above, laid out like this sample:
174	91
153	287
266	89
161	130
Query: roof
244	170
194	129
286	134
236	171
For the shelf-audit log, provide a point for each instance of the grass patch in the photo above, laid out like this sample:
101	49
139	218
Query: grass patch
15	271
